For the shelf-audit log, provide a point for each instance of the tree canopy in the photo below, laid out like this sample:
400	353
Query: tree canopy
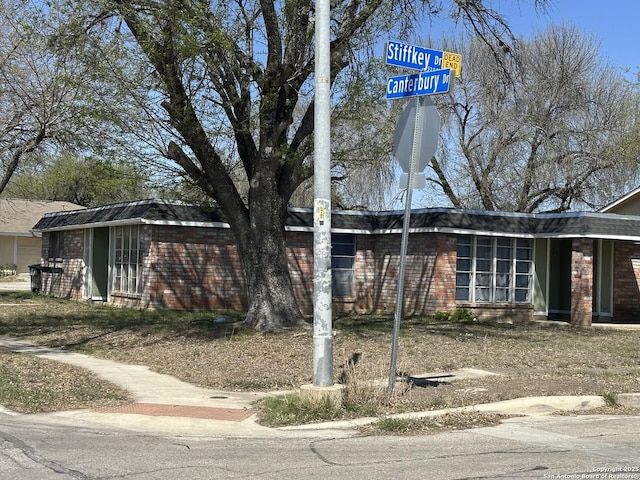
221	94
89	182
33	91
553	134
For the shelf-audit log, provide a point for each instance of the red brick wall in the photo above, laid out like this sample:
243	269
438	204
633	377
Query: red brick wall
206	272
626	282
194	268
430	275
68	282
581	281
300	256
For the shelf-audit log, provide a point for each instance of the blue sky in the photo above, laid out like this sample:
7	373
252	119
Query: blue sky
615	24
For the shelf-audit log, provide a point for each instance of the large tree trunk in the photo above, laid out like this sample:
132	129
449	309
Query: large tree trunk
262	243
272	304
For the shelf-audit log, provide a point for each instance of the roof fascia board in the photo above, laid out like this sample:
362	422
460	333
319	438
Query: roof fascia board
139	221
455	231
179	223
620	200
113	223
29	234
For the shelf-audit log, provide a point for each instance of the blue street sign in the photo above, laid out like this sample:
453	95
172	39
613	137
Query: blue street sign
420	58
412	56
425	83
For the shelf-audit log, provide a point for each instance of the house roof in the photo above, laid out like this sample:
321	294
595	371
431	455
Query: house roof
159	212
146	211
17	216
620	203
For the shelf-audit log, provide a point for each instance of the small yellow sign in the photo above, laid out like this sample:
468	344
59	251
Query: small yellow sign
453	61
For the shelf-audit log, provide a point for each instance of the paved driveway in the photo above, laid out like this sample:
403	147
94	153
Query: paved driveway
20	283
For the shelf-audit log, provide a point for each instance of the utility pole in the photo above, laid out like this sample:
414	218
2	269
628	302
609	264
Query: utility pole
322	322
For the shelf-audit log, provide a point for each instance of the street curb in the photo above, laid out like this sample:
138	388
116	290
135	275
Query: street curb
526	406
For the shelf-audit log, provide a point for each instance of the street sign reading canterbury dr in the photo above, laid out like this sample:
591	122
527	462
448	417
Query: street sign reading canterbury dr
436	67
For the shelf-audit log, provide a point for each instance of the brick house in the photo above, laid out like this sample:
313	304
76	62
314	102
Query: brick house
154	254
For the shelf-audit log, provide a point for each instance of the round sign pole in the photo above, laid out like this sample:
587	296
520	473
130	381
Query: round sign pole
415	155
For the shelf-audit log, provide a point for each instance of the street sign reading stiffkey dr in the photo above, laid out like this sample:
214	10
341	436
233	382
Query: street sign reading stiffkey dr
420	58
436	70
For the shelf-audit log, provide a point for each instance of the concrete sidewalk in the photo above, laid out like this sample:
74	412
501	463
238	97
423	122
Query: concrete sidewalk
162	404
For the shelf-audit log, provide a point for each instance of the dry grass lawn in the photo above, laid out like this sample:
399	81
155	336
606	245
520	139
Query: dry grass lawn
200	349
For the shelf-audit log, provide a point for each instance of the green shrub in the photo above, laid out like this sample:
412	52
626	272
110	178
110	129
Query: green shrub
292	409
462	315
611	399
442	316
459	315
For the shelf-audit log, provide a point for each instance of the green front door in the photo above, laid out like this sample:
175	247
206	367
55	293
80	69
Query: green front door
100	263
560	277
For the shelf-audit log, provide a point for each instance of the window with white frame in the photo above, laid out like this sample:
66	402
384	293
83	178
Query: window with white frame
127	276
494	269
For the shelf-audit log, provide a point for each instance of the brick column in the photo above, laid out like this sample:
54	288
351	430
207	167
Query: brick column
444	297
581	282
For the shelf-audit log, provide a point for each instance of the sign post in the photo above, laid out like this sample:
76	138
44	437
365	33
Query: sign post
436	77
415	152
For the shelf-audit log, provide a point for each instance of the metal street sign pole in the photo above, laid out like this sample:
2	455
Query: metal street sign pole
415	154
322	321
437	69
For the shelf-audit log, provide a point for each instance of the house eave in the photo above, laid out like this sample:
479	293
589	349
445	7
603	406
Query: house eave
131	221
31	234
438	220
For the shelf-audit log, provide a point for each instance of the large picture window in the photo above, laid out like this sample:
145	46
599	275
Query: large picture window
343	247
127	276
494	269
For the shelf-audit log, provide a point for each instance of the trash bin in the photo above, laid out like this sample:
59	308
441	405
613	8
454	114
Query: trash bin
36	278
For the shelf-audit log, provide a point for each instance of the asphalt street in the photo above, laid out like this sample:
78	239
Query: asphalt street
536	447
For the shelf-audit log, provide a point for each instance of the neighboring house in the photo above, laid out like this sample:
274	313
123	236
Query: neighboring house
155	254
20	246
628	204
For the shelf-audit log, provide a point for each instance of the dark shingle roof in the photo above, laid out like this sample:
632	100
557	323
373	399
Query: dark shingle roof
146	211
574	224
